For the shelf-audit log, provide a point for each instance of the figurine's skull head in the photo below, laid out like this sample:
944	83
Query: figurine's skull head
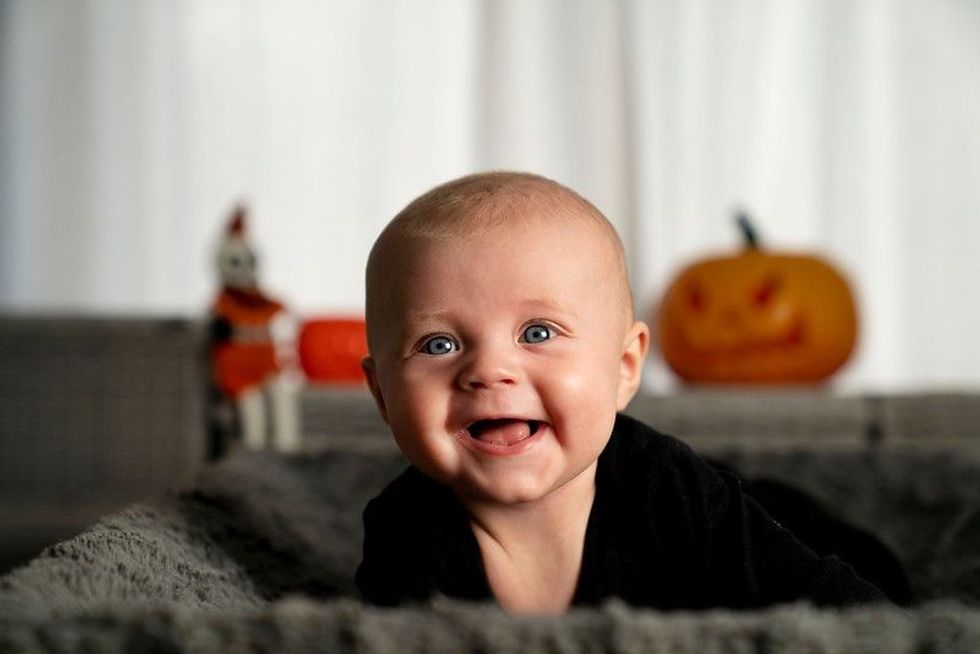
236	259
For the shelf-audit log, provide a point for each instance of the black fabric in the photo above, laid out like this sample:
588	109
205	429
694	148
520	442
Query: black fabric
826	534
666	531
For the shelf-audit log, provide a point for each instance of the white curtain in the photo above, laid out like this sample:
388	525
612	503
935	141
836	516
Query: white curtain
847	127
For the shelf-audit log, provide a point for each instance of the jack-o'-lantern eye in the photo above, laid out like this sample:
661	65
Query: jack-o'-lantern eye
695	298
765	293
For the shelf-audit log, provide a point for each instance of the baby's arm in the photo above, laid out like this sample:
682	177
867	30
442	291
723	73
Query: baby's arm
769	561
677	534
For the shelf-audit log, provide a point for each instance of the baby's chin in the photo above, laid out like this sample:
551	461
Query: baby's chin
516	491
503	497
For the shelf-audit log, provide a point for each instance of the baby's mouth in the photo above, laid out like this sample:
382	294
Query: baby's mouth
503	431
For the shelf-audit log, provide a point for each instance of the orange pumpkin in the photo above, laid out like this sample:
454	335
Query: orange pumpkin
757	317
331	349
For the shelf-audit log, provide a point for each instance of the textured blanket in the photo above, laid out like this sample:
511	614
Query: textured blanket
299	625
259	556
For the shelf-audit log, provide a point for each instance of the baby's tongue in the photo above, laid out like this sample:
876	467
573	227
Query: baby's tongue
500	432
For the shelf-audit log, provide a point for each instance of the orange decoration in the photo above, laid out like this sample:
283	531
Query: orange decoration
330	350
248	357
757	317
243	353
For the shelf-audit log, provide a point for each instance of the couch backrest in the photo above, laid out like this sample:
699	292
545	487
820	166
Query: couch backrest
96	408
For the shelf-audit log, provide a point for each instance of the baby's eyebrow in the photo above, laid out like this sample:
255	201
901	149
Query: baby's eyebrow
548	306
417	323
422	317
545	306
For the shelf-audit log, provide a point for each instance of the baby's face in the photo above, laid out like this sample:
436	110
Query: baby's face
503	356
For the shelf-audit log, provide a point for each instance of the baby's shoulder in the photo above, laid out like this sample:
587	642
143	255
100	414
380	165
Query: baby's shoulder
638	446
408	494
644	460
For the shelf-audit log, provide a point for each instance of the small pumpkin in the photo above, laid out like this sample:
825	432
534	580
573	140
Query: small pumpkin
757	317
331	349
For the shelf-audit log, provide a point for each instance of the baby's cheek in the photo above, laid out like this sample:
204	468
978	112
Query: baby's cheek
573	382
423	436
590	379
577	396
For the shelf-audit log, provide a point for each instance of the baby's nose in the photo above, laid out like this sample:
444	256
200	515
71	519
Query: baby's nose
488	367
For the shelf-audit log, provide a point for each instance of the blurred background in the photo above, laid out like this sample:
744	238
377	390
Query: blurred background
850	128
130	129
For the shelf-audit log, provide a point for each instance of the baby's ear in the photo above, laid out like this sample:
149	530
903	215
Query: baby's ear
631	363
367	365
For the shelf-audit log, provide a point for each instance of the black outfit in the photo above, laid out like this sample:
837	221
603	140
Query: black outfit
827	534
666	531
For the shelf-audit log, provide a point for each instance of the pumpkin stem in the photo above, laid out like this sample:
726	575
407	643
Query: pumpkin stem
749	235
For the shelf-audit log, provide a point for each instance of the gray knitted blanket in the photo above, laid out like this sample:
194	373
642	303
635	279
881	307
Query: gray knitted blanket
301	625
259	556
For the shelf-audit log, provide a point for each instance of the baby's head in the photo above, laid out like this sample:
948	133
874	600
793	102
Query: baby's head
501	334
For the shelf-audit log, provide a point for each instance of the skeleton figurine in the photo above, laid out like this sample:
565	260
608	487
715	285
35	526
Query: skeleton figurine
251	354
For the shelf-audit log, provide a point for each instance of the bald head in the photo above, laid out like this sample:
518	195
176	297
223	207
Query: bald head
473	205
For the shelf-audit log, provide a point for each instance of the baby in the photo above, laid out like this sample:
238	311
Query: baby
502	345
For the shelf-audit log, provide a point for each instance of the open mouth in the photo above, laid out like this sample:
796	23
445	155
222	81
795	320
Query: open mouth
503	431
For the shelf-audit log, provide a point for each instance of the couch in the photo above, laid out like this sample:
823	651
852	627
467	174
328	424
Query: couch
257	551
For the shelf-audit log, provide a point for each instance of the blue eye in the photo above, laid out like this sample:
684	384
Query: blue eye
439	345
537	334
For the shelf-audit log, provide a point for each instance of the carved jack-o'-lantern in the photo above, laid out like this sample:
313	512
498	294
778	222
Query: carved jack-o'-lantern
757	317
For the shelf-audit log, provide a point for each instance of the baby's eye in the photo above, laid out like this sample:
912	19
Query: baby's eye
439	345
537	334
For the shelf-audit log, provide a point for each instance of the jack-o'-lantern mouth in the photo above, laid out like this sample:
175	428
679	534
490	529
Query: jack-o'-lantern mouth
728	344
